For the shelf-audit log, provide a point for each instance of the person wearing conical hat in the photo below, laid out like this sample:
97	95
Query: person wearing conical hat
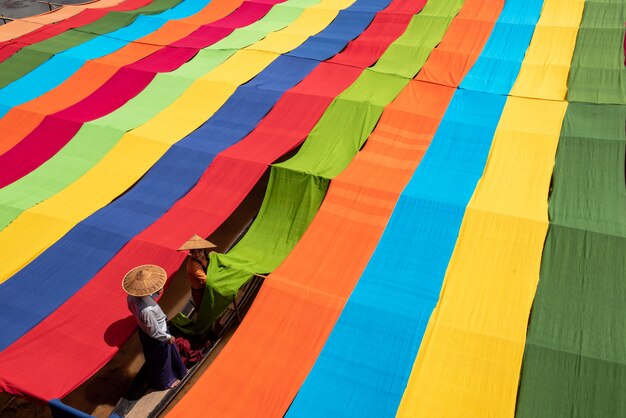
196	266
163	362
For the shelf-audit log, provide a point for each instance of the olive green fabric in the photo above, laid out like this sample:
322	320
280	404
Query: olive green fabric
597	73
30	57
297	186
575	355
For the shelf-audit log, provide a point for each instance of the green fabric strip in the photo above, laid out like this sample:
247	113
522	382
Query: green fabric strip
95	139
30	57
297	186
425	30
274	20
597	74
575	354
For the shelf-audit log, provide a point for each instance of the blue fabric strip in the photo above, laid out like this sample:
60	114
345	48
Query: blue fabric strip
60	410
366	362
496	69
59	272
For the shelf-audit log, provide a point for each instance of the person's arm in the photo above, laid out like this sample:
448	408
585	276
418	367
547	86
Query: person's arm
200	276
151	326
197	272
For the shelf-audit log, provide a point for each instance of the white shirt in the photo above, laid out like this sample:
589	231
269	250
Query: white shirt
150	316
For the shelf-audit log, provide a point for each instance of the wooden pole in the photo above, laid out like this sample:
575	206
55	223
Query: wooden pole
50	4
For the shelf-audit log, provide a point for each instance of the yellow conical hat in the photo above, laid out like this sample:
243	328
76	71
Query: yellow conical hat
144	280
196	243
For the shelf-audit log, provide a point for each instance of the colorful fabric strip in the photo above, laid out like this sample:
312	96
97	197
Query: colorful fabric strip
228	181
376	338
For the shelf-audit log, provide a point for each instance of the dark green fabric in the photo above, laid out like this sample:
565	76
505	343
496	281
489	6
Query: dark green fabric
597	73
575	356
297	187
30	57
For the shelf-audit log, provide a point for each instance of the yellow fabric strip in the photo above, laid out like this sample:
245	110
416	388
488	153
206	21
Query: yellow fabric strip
546	65
470	357
39	227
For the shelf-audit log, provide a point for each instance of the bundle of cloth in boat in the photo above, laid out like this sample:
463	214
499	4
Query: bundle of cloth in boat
189	354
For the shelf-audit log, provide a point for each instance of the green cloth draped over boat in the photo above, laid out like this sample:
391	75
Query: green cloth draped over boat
265	245
297	186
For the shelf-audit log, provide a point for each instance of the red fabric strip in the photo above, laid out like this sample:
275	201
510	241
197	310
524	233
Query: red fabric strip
231	176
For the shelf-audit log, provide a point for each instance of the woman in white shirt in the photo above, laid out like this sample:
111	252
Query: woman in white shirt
163	363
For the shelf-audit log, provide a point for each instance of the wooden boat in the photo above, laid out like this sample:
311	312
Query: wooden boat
142	401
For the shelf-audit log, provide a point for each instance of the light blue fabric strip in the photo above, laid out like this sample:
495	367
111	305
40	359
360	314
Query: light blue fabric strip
366	362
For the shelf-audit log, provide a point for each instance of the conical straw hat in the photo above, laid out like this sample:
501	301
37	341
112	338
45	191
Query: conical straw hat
144	280
196	243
